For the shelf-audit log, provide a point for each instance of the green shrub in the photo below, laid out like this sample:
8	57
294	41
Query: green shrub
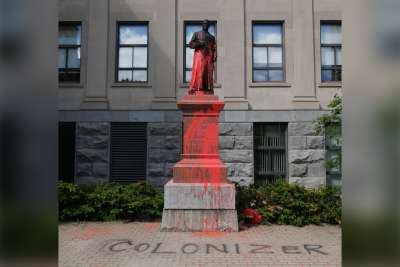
109	201
284	203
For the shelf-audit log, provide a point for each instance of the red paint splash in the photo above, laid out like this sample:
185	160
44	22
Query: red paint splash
200	158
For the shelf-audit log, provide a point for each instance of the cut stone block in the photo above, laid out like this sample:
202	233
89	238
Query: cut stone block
199	196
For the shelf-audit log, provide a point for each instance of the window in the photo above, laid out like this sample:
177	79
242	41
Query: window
190	28
267	51
132	52
66	151
128	151
269	152
331	51
69	52
333	146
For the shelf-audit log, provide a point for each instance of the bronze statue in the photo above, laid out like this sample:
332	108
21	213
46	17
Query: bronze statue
205	55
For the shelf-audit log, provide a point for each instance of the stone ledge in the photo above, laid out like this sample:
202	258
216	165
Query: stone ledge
184	196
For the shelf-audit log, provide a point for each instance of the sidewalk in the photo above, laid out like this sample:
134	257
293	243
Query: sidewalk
141	244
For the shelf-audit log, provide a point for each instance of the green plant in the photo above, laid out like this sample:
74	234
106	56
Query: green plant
284	203
334	117
331	124
109	201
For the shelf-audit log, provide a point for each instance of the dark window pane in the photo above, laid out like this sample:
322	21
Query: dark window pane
69	76
275	56
327	56
338	56
139	76
125	76
260	57
189	57
275	75
188	76
133	34
267	34
140	57
62	54
125	57
260	75
74	58
331	34
69	35
337	74
326	75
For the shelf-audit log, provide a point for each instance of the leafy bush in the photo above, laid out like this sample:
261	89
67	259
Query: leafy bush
284	203
109	201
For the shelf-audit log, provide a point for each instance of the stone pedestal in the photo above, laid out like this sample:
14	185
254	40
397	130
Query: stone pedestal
199	197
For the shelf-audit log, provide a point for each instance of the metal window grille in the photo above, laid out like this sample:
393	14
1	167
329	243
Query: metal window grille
128	151
270	152
66	151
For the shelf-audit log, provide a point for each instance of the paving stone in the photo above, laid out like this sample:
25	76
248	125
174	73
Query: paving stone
142	244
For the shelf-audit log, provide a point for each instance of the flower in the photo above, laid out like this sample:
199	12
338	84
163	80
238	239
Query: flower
254	215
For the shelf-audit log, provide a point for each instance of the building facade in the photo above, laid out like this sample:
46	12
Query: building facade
123	64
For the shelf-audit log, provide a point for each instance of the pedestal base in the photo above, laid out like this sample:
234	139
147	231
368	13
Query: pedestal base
199	221
199	207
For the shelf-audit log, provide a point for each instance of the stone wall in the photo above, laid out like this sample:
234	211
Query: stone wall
164	147
92	152
306	155
236	151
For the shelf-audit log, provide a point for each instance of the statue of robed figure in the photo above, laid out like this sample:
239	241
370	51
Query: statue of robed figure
205	54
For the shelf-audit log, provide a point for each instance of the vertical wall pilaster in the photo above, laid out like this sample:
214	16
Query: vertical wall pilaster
96	90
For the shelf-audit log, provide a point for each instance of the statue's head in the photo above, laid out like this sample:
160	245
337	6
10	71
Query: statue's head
205	25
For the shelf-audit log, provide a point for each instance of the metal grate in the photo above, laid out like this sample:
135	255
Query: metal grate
269	152
66	151
128	151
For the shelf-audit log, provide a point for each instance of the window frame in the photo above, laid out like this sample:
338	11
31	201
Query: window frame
118	46
282	45
196	22
68	47
336	69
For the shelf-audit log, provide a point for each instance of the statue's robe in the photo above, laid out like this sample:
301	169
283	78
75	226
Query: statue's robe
203	62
